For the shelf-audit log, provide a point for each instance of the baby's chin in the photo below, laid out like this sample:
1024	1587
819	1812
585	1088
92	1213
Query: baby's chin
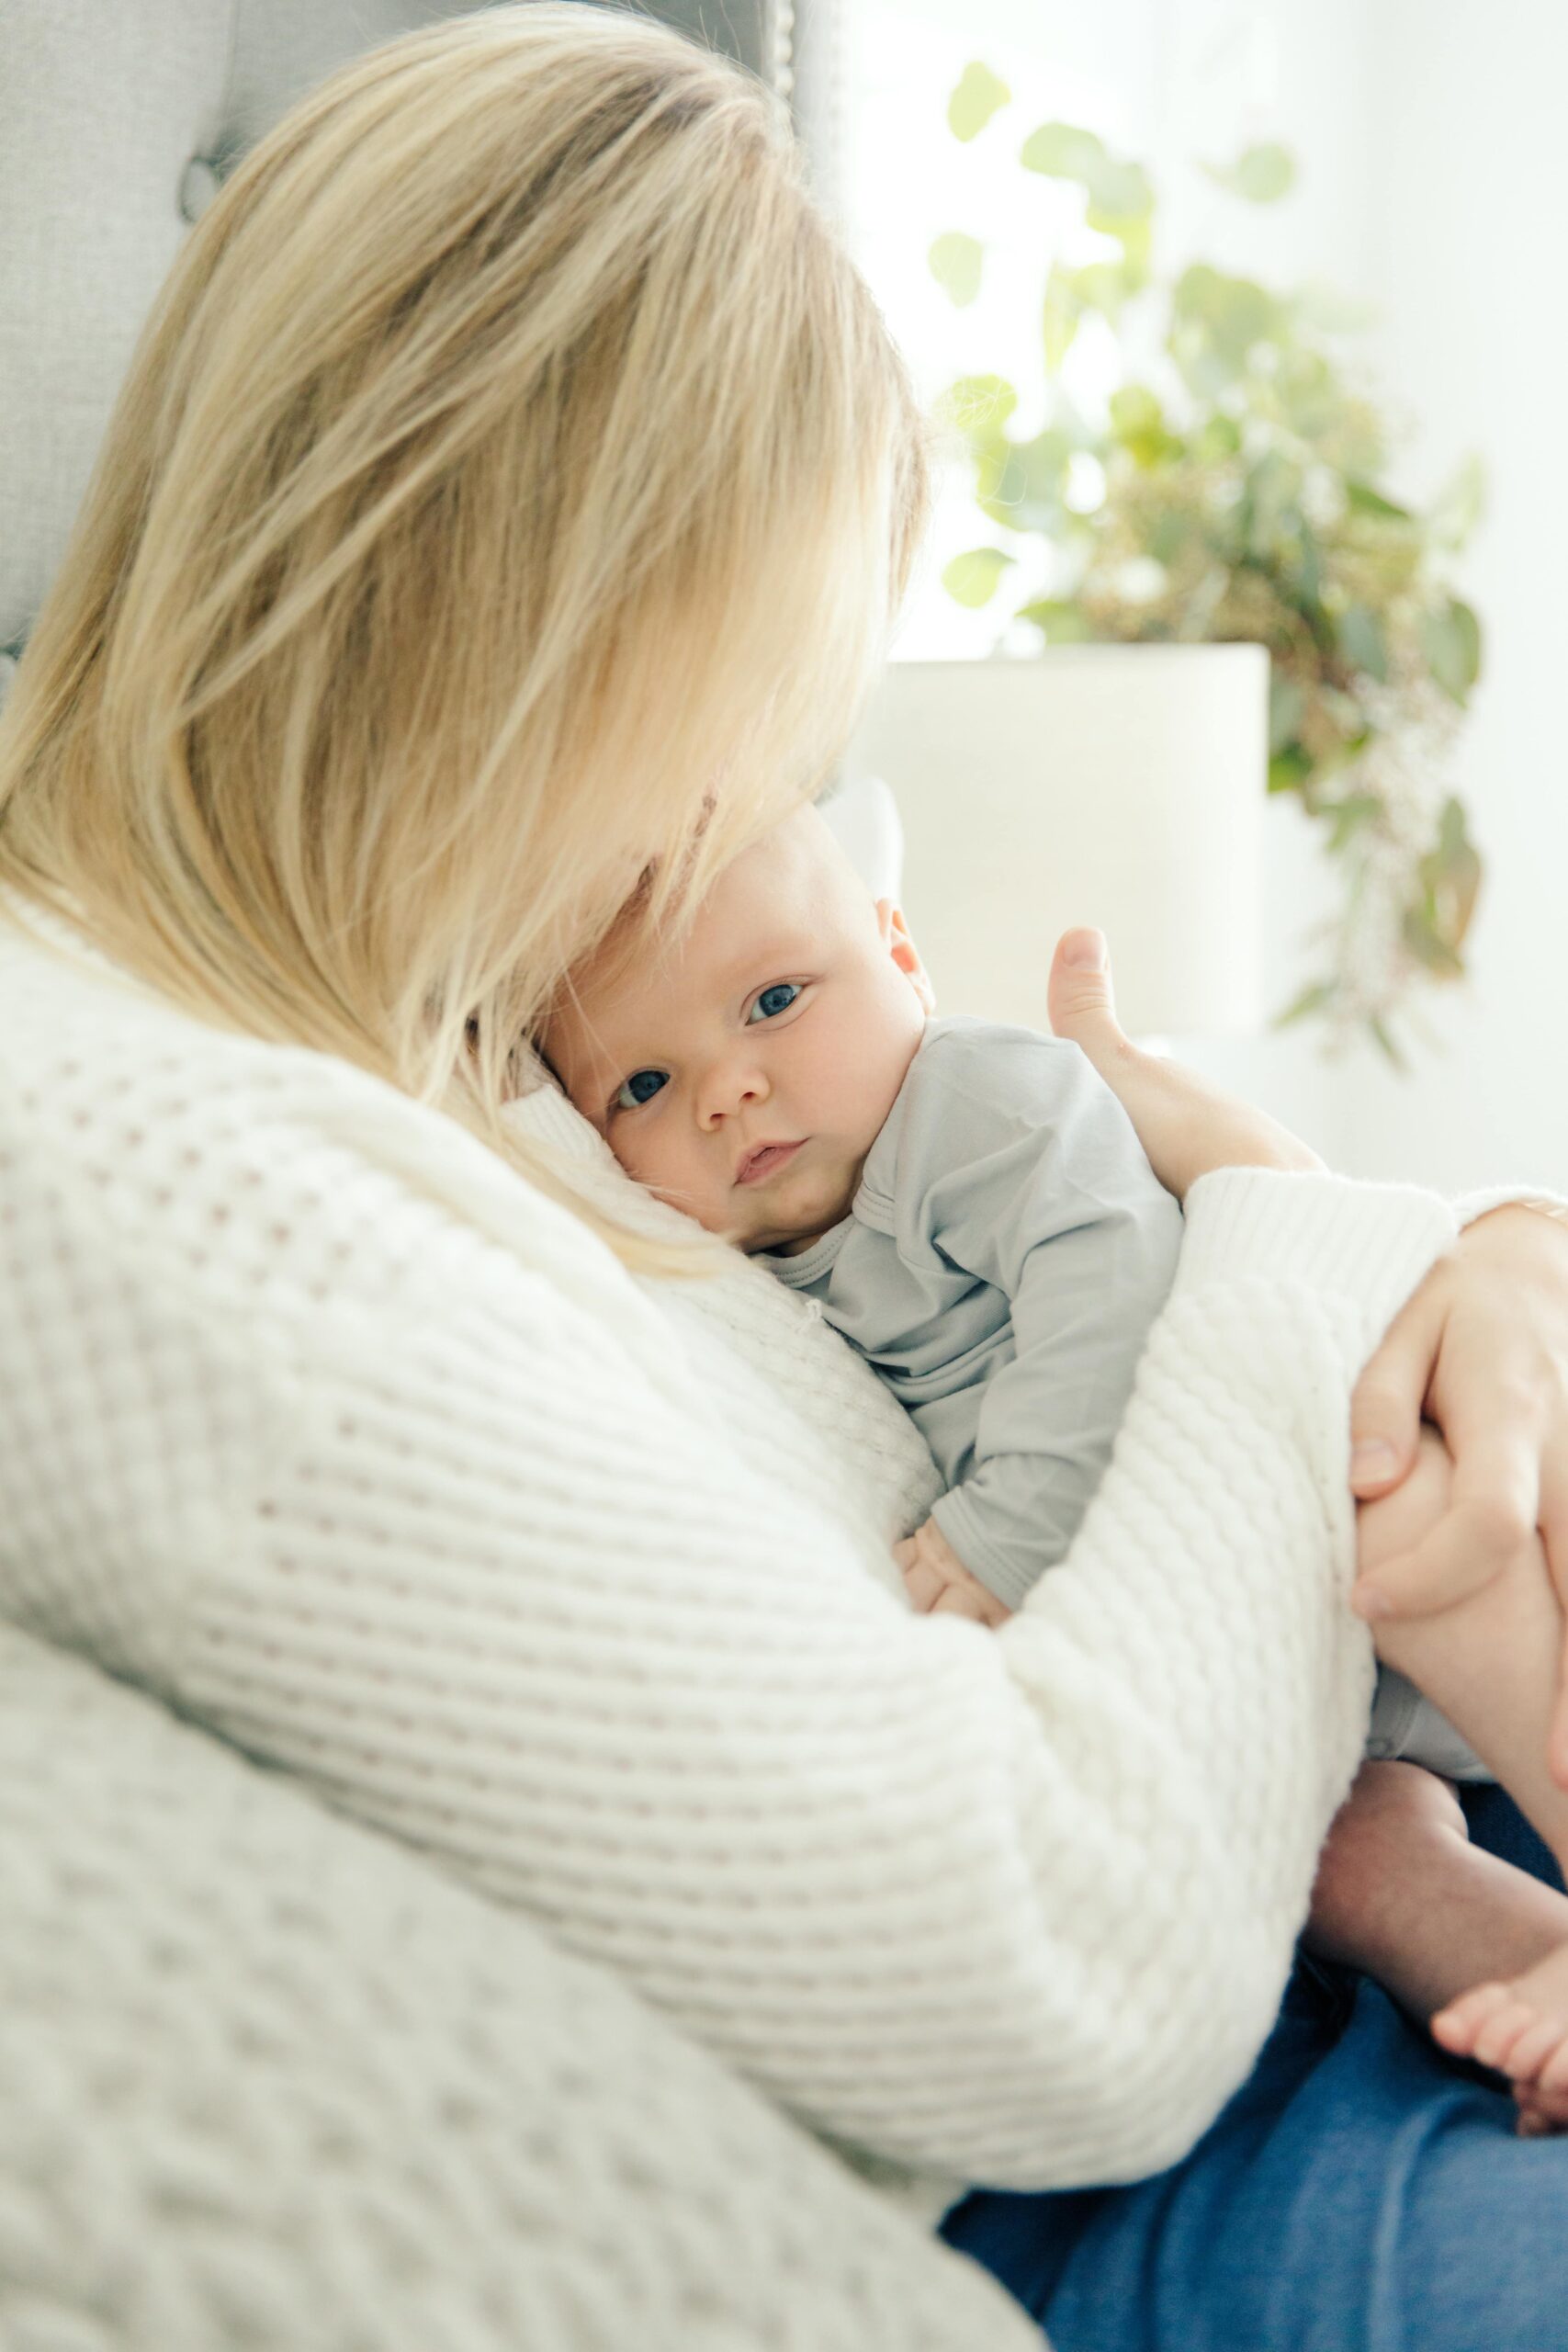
787	1236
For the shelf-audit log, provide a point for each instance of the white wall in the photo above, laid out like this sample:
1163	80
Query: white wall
1430	136
1233	72
1468	214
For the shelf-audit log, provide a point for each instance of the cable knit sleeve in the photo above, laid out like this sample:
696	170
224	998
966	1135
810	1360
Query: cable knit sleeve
1014	1910
367	1456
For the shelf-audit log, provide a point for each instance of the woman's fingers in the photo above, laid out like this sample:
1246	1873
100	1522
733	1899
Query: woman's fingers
1473	1543
1186	1126
1491	1517
1554	1535
1482	1350
1385	1411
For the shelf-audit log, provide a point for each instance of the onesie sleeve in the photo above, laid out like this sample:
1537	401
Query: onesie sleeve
1017	1164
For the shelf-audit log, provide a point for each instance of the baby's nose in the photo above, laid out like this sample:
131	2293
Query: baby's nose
729	1087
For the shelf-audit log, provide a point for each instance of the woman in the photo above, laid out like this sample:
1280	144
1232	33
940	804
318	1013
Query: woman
500	522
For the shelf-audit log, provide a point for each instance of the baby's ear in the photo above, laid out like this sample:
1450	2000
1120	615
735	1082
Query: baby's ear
901	947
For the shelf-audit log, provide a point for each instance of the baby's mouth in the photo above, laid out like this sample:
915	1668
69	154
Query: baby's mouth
763	1159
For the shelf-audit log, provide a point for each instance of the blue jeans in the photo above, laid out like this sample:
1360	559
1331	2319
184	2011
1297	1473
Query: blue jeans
1361	2193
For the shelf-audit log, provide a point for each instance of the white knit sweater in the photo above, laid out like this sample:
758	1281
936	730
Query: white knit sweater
323	1424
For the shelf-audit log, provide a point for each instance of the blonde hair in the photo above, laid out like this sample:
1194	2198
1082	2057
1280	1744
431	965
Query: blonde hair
513	472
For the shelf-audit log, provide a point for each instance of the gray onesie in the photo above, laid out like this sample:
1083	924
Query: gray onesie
1002	1260
1005	1254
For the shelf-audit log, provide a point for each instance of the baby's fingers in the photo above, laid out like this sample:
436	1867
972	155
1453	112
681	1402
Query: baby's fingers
970	1601
924	1585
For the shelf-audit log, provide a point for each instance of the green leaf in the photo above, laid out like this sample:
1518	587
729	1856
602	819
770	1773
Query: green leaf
1363	499
978	404
1021	483
1059	320
977	98
1428	946
1137	422
1457	509
1241	315
1350	816
954	263
1451	874
1101	286
1119	195
1310	393
1170	534
1217	438
1216	321
1271	507
1449	638
1287	706
1261	174
1314	999
1290	769
1362	642
1137	241
1062	622
1135	409
1378	1032
971	579
1062	151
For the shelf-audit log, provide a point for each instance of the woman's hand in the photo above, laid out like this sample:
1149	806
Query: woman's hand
1482	1350
1186	1126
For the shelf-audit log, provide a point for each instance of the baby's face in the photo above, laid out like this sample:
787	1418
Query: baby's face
744	1077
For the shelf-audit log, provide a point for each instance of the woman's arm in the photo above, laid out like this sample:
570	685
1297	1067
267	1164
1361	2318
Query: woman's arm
328	1427
1011	1909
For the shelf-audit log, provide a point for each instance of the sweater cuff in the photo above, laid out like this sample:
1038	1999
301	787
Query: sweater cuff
1369	1243
961	1524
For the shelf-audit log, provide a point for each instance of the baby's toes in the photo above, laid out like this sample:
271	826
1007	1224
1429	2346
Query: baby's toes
1549	2086
1458	2027
1537	2115
1505	2035
1532	2051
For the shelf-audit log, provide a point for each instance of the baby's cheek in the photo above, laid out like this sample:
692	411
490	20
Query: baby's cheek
676	1173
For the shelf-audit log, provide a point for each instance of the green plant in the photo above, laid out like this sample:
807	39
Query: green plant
1233	487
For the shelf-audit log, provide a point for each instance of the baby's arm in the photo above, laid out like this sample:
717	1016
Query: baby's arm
1019	1166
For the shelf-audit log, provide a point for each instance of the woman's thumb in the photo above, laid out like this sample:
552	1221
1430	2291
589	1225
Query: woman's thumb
1080	999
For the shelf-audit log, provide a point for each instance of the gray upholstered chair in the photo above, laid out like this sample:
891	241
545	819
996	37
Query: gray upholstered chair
267	2081
118	119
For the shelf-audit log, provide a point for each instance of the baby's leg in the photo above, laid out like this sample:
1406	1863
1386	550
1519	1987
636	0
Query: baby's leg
1491	1665
1402	1894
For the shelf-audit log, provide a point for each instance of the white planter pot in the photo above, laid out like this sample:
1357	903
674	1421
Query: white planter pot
1122	785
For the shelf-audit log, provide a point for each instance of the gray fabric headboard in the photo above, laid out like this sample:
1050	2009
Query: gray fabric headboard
117	120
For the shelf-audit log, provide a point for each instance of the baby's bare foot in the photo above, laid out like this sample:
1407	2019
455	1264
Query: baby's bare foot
1521	2029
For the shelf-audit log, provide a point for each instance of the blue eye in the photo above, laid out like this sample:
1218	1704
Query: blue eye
641	1087
774	1000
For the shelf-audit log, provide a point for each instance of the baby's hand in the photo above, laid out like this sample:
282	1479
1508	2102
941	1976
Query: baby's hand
936	1578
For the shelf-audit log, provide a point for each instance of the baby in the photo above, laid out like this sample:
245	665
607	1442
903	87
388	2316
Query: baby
972	1209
